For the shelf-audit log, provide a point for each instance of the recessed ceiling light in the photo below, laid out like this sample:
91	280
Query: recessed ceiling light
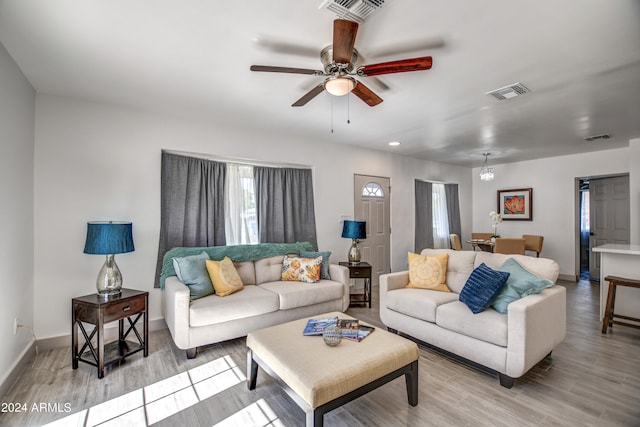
394	143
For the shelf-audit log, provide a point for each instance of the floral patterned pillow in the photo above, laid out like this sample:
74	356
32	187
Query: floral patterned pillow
298	269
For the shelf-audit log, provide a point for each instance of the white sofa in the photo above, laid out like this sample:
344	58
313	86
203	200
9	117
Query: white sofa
264	301
508	345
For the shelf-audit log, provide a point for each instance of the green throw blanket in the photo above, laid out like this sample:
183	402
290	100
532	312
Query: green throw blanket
237	253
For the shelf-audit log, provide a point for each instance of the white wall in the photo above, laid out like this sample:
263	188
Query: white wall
17	110
100	162
554	202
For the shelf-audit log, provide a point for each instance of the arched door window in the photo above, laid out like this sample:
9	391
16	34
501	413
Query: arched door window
372	189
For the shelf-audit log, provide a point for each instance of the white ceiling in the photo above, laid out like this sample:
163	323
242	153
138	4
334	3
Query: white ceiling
581	59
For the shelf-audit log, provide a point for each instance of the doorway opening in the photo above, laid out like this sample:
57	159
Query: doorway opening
602	213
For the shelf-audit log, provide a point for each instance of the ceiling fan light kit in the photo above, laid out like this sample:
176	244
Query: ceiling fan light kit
339	86
340	63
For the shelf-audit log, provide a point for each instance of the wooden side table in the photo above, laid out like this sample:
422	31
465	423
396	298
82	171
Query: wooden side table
360	270
97	310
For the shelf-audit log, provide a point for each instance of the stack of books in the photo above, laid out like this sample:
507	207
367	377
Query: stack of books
351	329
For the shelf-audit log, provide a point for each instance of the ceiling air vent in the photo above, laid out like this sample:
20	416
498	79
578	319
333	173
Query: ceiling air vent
597	137
353	10
509	92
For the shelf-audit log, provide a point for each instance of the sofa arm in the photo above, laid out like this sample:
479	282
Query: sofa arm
340	273
389	282
175	308
536	325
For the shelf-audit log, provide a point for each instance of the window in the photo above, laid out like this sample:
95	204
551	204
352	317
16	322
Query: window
440	217
241	223
372	189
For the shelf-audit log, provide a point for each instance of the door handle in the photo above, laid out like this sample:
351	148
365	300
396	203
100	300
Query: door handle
592	233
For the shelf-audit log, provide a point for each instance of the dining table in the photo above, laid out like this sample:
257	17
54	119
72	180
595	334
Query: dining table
484	245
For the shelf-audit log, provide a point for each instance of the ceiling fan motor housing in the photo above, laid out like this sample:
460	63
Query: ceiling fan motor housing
330	66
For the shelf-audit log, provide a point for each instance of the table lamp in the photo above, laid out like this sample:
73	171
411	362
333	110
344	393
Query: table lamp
109	238
354	230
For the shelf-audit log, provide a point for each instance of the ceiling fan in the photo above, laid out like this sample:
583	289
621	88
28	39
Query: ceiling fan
339	60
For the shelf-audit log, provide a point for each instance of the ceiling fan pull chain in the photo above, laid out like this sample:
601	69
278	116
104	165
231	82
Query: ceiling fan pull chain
332	114
348	110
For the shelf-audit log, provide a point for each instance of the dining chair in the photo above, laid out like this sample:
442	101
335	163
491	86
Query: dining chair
533	243
455	242
509	245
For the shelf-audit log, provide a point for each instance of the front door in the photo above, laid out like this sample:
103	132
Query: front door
372	204
609	216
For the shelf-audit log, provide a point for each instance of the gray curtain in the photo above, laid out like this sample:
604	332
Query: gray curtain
453	209
424	216
284	202
192	204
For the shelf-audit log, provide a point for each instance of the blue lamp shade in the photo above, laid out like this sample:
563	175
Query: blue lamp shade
108	238
354	229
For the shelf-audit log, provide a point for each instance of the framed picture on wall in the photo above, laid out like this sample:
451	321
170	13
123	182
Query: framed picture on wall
516	204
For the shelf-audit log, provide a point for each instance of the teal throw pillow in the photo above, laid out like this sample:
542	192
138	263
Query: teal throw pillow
482	287
324	268
519	284
192	271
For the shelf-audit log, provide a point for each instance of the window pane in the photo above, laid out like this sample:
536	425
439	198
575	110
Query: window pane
372	189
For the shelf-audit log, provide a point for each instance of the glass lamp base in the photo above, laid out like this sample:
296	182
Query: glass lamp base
109	282
354	252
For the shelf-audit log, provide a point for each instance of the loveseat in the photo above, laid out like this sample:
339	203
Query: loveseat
507	344
264	300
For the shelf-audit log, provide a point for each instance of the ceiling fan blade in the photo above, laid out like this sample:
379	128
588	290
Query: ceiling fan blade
409	47
366	94
402	66
309	96
270	69
344	38
287	48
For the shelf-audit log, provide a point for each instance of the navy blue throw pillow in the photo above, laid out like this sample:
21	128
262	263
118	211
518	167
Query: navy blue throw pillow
482	287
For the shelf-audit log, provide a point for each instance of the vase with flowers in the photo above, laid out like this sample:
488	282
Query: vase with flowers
496	218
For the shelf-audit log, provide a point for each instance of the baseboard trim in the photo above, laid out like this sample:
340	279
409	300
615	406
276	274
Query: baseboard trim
568	277
25	358
110	332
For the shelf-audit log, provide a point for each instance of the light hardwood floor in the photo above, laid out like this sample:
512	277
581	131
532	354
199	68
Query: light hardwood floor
590	380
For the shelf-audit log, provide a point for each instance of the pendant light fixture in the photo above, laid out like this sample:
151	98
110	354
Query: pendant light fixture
486	173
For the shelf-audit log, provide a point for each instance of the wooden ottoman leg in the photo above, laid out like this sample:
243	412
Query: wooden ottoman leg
252	370
411	379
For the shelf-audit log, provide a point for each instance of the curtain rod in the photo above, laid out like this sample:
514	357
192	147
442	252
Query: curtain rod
236	160
435	182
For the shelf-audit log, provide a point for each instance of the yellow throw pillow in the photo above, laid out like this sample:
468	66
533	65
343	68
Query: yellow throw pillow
224	276
428	272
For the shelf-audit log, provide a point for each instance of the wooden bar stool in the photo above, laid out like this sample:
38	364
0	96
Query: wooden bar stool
609	315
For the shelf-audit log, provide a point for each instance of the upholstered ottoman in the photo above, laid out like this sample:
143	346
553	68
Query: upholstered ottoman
320	378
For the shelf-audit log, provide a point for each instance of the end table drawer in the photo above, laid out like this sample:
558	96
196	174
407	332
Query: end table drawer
355	272
123	309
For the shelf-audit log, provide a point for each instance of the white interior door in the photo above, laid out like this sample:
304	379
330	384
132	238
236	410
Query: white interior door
609	216
372	204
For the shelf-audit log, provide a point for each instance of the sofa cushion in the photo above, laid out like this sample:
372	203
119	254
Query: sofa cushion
489	325
224	276
482	287
212	309
428	272
459	266
419	303
299	269
299	294
246	271
324	270
542	267
519	284
268	269
192	271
